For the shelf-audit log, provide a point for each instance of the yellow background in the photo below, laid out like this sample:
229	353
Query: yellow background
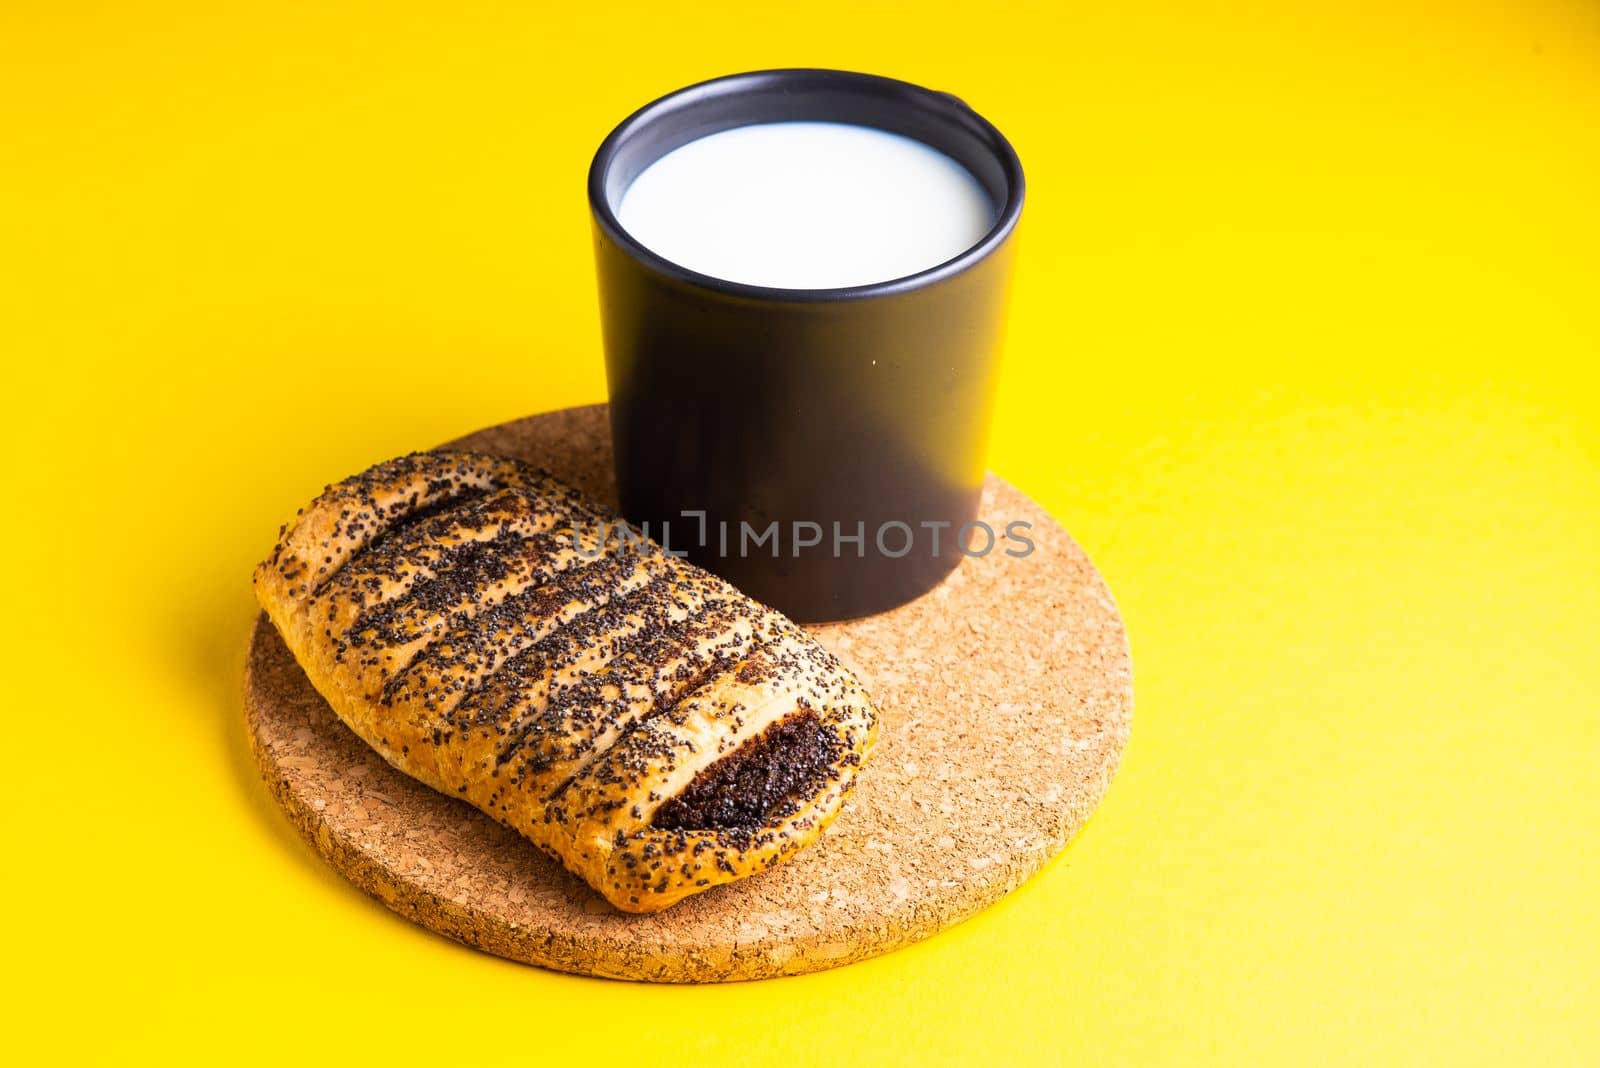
1303	351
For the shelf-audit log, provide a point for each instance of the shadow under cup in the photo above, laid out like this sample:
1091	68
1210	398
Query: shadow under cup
822	449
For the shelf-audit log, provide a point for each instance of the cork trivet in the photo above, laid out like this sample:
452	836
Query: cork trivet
1006	695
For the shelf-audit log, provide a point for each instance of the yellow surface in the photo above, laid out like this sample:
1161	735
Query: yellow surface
1303	350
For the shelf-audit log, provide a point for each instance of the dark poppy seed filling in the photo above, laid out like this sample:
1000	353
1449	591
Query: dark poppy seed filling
766	778
450	501
395	534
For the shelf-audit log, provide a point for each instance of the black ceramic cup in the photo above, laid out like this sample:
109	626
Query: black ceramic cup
822	449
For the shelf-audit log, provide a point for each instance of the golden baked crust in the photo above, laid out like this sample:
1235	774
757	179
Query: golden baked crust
498	636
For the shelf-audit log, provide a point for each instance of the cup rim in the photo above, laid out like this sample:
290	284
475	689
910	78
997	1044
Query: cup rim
700	92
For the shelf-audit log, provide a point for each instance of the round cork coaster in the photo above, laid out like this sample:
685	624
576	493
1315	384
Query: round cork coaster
1005	693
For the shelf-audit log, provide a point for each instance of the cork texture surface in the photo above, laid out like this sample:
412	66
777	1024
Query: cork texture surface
1006	696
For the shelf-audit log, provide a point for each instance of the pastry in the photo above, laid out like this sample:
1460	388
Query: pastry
498	636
